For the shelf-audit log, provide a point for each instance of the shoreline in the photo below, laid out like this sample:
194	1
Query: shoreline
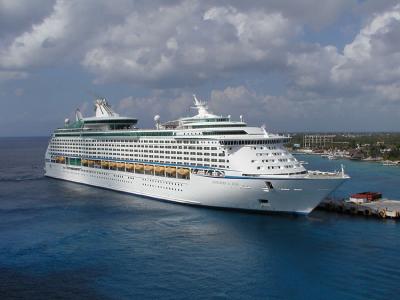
394	163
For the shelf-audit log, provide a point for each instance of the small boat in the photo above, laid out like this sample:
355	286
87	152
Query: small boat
390	163
333	156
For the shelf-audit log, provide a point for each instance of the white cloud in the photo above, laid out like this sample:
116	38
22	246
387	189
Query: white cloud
64	35
187	43
370	63
278	113
27	49
287	113
374	55
168	106
18	16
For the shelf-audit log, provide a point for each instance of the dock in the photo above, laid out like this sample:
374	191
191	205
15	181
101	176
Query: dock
380	208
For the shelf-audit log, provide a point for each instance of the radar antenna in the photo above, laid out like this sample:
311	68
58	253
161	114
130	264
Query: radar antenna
157	120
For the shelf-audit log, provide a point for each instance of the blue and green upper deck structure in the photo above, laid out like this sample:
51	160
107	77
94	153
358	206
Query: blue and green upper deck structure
204	125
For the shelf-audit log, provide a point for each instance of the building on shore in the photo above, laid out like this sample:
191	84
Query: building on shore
317	141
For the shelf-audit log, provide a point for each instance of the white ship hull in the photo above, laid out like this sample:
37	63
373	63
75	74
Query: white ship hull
289	195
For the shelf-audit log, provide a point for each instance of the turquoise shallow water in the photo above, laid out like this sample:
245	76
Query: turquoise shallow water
365	176
68	241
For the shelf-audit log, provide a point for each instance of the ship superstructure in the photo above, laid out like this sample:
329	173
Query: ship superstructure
205	159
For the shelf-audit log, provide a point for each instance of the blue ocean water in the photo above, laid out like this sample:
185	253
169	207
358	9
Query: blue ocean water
69	241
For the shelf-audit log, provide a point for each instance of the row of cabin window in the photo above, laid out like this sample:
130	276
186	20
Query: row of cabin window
276	167
139	152
177	158
126	148
94	142
251	142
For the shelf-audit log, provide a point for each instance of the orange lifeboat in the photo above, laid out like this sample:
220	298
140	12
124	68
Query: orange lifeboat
149	168
139	167
183	171
130	166
170	170
159	169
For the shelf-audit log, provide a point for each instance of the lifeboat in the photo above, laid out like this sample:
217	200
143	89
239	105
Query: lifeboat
90	162
159	169
84	161
149	168
121	165
130	166
183	172
113	165
61	159
138	167
104	164
170	170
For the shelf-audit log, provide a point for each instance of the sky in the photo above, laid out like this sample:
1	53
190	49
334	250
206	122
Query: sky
305	65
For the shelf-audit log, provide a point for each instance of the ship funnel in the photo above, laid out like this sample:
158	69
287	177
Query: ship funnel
201	106
103	109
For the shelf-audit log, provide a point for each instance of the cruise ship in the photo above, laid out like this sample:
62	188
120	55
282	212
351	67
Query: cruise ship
207	160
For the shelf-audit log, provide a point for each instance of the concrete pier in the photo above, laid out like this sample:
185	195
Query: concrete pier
382	208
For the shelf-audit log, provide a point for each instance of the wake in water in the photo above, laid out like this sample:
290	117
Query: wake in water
22	178
19	174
